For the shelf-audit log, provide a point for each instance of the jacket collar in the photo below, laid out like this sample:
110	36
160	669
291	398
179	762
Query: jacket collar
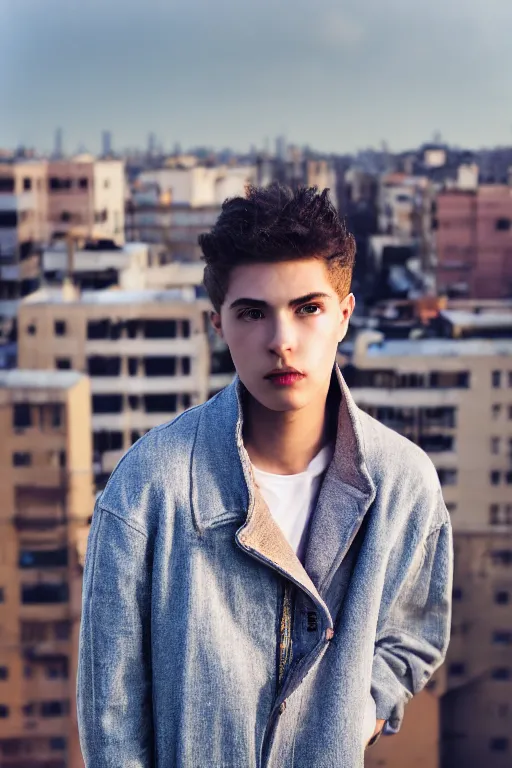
223	491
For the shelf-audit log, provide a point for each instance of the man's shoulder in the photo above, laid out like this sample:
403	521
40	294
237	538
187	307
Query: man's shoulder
157	465
398	466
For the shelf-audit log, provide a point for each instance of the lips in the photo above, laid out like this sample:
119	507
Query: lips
284	378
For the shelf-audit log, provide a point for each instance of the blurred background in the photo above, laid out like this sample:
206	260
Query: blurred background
123	127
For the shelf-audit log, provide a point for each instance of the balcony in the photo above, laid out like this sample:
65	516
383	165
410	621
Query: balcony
143	385
140	347
136	420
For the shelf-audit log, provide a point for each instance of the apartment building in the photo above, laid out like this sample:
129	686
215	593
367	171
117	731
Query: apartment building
172	206
86	195
474	242
23	226
95	264
46	493
145	351
453	397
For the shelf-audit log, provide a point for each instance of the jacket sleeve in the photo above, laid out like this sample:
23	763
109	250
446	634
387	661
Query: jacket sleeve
114	703
412	643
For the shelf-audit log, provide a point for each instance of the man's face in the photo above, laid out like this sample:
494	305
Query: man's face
283	316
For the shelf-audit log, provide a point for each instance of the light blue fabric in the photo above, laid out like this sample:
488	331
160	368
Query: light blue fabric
183	589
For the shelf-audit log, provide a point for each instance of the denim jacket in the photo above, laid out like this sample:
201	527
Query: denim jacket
205	643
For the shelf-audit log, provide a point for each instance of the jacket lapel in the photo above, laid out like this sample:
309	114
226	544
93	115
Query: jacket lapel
345	496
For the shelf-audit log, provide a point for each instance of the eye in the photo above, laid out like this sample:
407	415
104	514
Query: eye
251	314
310	309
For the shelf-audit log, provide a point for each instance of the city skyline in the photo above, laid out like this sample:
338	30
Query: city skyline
338	79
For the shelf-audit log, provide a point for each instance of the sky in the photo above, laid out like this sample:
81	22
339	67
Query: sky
337	75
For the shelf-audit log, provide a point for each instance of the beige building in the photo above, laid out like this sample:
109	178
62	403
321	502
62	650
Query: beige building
46	502
453	397
145	351
88	194
23	228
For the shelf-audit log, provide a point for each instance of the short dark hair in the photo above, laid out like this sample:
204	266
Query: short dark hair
276	223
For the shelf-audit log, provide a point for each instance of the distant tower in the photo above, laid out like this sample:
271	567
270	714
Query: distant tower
106	143
281	148
151	144
57	147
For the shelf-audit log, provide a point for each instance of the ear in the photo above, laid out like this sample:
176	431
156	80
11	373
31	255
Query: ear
347	307
216	324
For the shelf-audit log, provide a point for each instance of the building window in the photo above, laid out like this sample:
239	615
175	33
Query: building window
160	366
56	417
63	364
133	402
502	637
185	329
65	216
496	411
62	630
43	558
22	415
159	329
495	445
6	184
4	711
499	744
510	378
501	557
44	594
58	742
494	514
502	597
34	631
60	327
496	379
20	459
447	476
185	366
186	400
31	329
54	708
457	593
510	412
4	673
134	436
83	183
502	224
508	478
160	403
495	477
100	217
107	403
500	673
103	366
2	595
457	669
29	710
27	184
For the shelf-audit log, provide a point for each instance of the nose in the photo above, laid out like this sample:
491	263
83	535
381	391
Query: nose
282	340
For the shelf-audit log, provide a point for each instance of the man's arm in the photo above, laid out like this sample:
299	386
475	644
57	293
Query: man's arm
114	703
413	641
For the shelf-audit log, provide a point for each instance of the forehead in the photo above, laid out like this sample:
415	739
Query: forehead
279	282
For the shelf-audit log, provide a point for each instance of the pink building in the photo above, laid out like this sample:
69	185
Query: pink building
474	242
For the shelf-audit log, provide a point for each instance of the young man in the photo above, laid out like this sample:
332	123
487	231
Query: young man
268	577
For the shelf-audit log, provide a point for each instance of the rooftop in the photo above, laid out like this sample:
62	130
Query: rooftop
21	379
113	296
466	319
440	348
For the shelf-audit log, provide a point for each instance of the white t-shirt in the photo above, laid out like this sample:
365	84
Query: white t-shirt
291	500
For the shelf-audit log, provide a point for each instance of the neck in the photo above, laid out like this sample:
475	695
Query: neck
284	442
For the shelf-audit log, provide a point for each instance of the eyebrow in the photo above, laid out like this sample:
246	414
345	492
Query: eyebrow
244	302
